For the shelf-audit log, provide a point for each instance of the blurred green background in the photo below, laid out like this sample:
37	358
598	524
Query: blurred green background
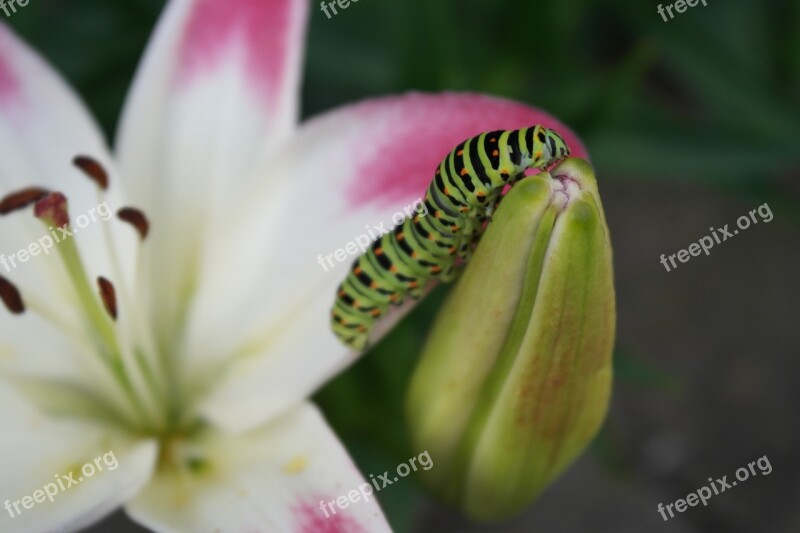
690	123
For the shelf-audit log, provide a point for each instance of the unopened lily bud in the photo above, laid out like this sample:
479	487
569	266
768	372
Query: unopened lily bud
515	378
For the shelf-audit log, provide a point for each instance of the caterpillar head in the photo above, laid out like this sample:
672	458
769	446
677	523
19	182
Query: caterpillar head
548	147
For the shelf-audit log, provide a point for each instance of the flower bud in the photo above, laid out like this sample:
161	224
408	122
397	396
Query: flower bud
515	377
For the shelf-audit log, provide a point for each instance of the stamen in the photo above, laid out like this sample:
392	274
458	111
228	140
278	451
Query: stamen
109	296
93	170
53	209
11	297
97	315
21	199
136	218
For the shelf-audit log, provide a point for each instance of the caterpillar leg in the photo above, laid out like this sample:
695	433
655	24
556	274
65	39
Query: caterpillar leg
466	252
354	334
355	341
416	292
490	209
449	272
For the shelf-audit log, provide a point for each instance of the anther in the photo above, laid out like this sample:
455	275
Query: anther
109	296
93	170
53	209
135	218
11	297
21	199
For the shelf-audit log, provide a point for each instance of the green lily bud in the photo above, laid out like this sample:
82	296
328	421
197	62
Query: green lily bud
515	378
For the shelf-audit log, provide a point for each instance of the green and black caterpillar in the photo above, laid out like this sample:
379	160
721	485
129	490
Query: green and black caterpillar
463	194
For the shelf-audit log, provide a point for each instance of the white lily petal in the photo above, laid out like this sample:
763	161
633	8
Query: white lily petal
344	174
39	350
37	452
218	88
272	479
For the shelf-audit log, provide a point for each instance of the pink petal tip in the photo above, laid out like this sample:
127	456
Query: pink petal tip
423	129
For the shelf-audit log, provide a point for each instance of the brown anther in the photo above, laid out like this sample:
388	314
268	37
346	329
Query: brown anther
109	296
21	199
93	170
11	297
53	208
135	218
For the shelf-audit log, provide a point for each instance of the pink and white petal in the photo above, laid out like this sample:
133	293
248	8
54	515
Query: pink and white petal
271	479
217	90
343	175
44	119
37	452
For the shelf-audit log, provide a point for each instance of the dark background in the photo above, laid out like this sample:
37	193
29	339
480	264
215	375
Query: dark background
690	123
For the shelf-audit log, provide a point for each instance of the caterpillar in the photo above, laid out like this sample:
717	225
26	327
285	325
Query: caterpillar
463	194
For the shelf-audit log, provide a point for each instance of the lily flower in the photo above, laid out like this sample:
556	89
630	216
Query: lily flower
184	337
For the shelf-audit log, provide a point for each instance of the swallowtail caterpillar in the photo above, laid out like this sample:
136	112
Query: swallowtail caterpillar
463	194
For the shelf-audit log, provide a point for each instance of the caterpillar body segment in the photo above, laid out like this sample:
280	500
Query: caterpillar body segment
465	190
